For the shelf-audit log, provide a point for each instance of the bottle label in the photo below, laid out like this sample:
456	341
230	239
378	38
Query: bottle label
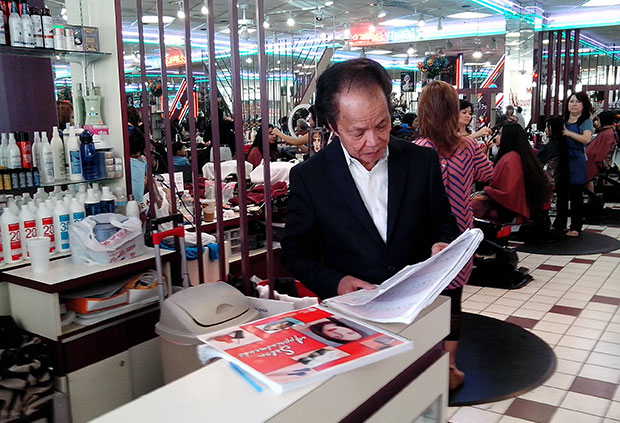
37	30
30	231
48	31
60	164
92	209
77	216
29	179
76	165
63	220
15	160
14	180
15	243
36	178
22	180
47	224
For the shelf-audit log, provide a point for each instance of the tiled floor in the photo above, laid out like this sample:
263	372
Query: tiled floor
572	304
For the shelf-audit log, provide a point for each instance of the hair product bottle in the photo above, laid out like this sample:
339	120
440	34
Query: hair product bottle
45	224
11	241
61	227
58	151
73	154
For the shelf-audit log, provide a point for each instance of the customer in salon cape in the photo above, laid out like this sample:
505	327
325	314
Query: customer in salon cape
367	204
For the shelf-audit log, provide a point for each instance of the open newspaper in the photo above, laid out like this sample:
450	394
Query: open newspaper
401	298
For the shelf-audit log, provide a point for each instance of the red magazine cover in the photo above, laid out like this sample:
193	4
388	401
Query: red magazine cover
303	346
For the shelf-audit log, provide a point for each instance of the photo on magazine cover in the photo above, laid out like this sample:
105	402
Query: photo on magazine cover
334	331
290	373
320	356
233	339
278	325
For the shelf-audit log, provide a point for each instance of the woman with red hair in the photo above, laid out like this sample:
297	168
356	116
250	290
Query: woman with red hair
462	163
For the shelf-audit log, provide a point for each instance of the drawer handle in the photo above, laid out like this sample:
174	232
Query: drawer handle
122	363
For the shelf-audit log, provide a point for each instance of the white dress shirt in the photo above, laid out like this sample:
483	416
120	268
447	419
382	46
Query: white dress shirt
373	188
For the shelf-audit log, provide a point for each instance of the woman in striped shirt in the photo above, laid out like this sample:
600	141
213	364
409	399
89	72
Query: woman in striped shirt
462	162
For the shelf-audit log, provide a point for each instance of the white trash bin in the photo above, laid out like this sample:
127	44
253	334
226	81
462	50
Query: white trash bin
195	311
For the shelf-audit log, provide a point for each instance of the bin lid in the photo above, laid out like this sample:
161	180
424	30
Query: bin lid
202	309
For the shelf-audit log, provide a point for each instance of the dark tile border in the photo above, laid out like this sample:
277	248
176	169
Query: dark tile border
570	311
605	300
531	410
595	388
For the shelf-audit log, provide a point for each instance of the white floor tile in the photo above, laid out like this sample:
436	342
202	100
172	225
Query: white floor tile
579	343
595	314
501	309
570	416
560	381
568	366
605	374
607	308
474	415
604	360
586	403
550	338
545	395
532	305
559	318
613	327
510	419
572	303
614	411
529	314
573	354
584	322
609	336
551	327
585	332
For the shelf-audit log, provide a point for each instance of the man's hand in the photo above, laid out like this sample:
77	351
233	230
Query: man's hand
437	247
350	284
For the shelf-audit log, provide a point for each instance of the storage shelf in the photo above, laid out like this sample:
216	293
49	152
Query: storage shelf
59	55
56	184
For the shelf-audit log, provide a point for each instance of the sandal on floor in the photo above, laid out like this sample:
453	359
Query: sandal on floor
572	233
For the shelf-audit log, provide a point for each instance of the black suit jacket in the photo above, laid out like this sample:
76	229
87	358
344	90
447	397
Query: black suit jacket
329	233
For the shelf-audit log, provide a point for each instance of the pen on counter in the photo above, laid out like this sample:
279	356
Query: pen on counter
246	377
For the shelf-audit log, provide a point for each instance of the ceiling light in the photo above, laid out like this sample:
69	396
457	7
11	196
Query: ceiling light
323	35
181	14
468	15
410	50
329	3
346	34
381	13
63	11
379	52
372	28
248	60
64	17
152	19
477	54
546	41
421	21
266	23
439	25
290	21
204	10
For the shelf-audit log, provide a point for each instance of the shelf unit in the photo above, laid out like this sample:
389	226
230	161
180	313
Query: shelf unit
57	184
85	57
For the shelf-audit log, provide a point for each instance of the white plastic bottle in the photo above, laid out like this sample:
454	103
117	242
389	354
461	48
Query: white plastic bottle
73	156
4	151
15	156
27	228
16	30
61	227
12	205
91	204
81	194
11	238
132	208
77	211
107	201
28	33
40	194
45	225
36	149
46	161
58	151
96	190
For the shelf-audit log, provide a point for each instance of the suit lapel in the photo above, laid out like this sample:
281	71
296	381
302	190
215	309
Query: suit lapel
398	166
338	171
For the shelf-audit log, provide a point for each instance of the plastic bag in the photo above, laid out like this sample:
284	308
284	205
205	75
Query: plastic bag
106	238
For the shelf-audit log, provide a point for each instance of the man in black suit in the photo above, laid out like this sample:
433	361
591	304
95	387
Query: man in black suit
367	205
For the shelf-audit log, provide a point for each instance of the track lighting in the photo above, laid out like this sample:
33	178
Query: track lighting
410	50
421	21
290	21
439	25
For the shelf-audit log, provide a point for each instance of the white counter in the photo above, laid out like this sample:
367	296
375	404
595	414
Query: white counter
216	394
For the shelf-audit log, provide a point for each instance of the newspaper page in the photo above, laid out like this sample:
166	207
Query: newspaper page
401	298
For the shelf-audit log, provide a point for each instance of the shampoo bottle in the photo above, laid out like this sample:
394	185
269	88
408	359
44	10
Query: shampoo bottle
88	155
4	152
11	241
58	151
36	149
46	161
26	25
107	201
73	154
77	211
37	27
91	204
61	227
15	157
16	30
27	228
45	225
48	28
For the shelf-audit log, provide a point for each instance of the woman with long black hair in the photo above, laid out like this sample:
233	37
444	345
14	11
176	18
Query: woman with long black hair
518	184
571	173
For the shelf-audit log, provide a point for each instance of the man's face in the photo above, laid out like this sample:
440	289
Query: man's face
363	124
